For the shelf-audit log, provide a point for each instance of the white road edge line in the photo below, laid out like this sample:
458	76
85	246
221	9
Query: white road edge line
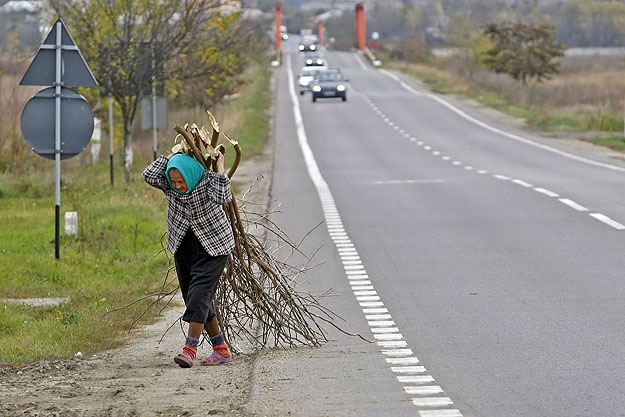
500	131
395	349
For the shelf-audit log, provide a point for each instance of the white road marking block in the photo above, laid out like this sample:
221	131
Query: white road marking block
375	310
389	344
403	361
361	287
381	323
415	379
384	330
432	402
397	352
546	192
424	390
361	282
388	336
605	219
368	298
573	204
379	317
372	304
522	183
365	293
440	413
408	369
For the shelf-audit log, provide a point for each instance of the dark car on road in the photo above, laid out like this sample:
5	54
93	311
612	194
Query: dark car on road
329	84
314	60
308	44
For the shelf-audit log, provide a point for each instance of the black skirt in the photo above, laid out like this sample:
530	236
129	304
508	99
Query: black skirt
198	275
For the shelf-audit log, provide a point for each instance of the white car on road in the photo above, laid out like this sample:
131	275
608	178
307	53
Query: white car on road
306	75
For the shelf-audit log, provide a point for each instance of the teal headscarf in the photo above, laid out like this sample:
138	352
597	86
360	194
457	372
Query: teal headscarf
190	169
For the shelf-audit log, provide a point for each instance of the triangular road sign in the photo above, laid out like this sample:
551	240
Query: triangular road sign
74	70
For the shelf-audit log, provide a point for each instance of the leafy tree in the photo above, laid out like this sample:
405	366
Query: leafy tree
122	40
523	51
472	43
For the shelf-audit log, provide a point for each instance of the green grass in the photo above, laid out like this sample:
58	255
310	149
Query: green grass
614	142
254	107
110	263
113	260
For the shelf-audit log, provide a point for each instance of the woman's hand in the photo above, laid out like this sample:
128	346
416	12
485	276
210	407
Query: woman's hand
220	163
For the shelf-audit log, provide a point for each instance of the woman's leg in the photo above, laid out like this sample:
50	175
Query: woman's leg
212	327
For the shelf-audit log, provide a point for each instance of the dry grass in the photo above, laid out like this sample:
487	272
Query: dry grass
13	98
589	91
584	86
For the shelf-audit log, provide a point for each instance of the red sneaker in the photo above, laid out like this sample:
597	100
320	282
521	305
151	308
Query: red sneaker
221	354
185	359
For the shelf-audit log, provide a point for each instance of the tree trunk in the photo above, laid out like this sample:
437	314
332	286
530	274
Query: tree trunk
128	153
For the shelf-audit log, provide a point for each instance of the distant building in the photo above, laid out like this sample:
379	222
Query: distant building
21	7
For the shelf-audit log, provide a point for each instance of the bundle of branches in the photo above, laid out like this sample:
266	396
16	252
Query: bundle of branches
257	298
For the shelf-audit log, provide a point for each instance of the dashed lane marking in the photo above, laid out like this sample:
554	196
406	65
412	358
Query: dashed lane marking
605	219
573	204
598	216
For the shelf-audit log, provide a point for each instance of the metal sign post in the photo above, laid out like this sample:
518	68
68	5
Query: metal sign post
154	103
111	134
57	142
58	63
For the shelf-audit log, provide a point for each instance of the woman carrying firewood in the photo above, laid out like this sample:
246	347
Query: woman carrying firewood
200	237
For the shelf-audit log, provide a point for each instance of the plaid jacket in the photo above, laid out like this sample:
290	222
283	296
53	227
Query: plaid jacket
201	210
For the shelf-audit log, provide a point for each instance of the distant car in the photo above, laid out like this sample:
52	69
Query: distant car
314	60
329	83
308	44
283	32
306	75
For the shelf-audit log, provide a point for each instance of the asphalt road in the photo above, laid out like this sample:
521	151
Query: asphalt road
485	262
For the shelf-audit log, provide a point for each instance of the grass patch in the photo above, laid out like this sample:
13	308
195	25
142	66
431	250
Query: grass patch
541	117
253	107
614	142
110	263
112	260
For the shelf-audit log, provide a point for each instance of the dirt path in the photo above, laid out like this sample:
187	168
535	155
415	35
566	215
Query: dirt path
137	380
